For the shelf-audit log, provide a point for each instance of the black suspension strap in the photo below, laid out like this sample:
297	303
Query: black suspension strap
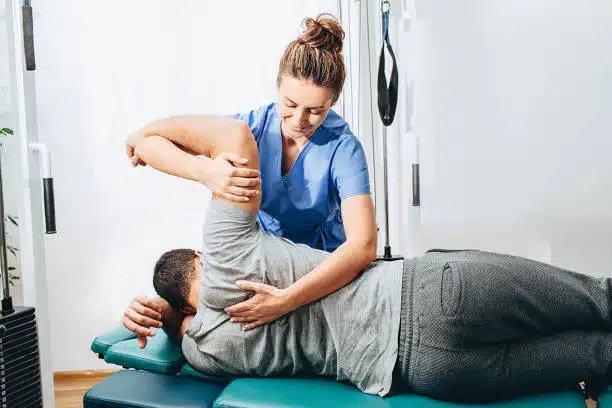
387	95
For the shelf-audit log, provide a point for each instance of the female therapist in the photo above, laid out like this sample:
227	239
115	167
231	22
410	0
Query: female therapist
314	175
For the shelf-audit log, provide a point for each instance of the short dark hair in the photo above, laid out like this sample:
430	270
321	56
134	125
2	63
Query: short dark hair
172	276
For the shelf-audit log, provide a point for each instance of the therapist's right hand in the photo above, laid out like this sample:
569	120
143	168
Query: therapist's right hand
140	316
229	178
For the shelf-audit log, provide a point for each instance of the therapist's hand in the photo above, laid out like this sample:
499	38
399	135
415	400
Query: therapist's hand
228	178
268	304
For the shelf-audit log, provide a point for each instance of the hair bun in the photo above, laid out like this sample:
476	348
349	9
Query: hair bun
323	32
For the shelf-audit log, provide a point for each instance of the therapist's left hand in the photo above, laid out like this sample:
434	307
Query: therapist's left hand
268	304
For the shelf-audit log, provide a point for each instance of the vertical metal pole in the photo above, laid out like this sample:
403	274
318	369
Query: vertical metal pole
386	194
3	256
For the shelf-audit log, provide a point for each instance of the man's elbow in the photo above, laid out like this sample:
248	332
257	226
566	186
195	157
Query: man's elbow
243	141
241	133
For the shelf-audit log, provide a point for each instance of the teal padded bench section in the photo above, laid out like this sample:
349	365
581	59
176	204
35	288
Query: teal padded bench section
189	371
102	343
161	355
141	389
321	393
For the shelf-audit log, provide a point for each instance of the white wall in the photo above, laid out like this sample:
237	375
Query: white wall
105	68
512	108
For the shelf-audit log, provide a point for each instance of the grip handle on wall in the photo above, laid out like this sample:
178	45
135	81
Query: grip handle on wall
416	186
48	192
28	36
49	205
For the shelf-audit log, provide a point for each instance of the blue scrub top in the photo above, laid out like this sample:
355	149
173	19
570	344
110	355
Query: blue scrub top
304	204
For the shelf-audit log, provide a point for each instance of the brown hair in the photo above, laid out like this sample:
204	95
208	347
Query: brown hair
316	55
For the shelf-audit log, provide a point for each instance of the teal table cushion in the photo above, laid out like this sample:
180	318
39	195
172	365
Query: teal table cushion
161	355
320	393
102	343
189	371
141	389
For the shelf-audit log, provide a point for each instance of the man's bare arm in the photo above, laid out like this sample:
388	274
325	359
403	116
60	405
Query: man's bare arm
176	162
172	320
195	134
191	136
144	314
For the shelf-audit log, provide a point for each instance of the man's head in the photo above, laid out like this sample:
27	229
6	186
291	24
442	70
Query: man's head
176	278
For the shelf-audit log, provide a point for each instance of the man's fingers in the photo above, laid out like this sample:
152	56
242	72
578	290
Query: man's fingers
141	320
146	309
150	303
247	173
136	328
142	342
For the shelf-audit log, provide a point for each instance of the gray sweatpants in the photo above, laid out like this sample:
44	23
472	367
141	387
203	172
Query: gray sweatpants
479	326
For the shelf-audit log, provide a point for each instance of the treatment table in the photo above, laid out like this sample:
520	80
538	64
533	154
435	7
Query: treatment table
159	377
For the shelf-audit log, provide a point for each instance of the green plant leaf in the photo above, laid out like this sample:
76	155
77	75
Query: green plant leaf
12	268
14	277
7	131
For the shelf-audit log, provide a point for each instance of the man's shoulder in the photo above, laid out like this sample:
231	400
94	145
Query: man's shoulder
213	346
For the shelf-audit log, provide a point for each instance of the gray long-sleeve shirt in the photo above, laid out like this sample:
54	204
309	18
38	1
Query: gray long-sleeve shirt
351	334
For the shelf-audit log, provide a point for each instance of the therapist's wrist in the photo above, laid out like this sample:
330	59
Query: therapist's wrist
292	298
202	171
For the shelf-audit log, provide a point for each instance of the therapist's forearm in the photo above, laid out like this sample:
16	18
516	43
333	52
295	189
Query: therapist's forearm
340	268
163	155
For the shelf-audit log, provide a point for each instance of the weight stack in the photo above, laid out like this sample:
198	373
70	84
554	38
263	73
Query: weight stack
20	383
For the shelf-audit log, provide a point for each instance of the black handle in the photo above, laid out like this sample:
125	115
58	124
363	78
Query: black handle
49	205
28	37
416	186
